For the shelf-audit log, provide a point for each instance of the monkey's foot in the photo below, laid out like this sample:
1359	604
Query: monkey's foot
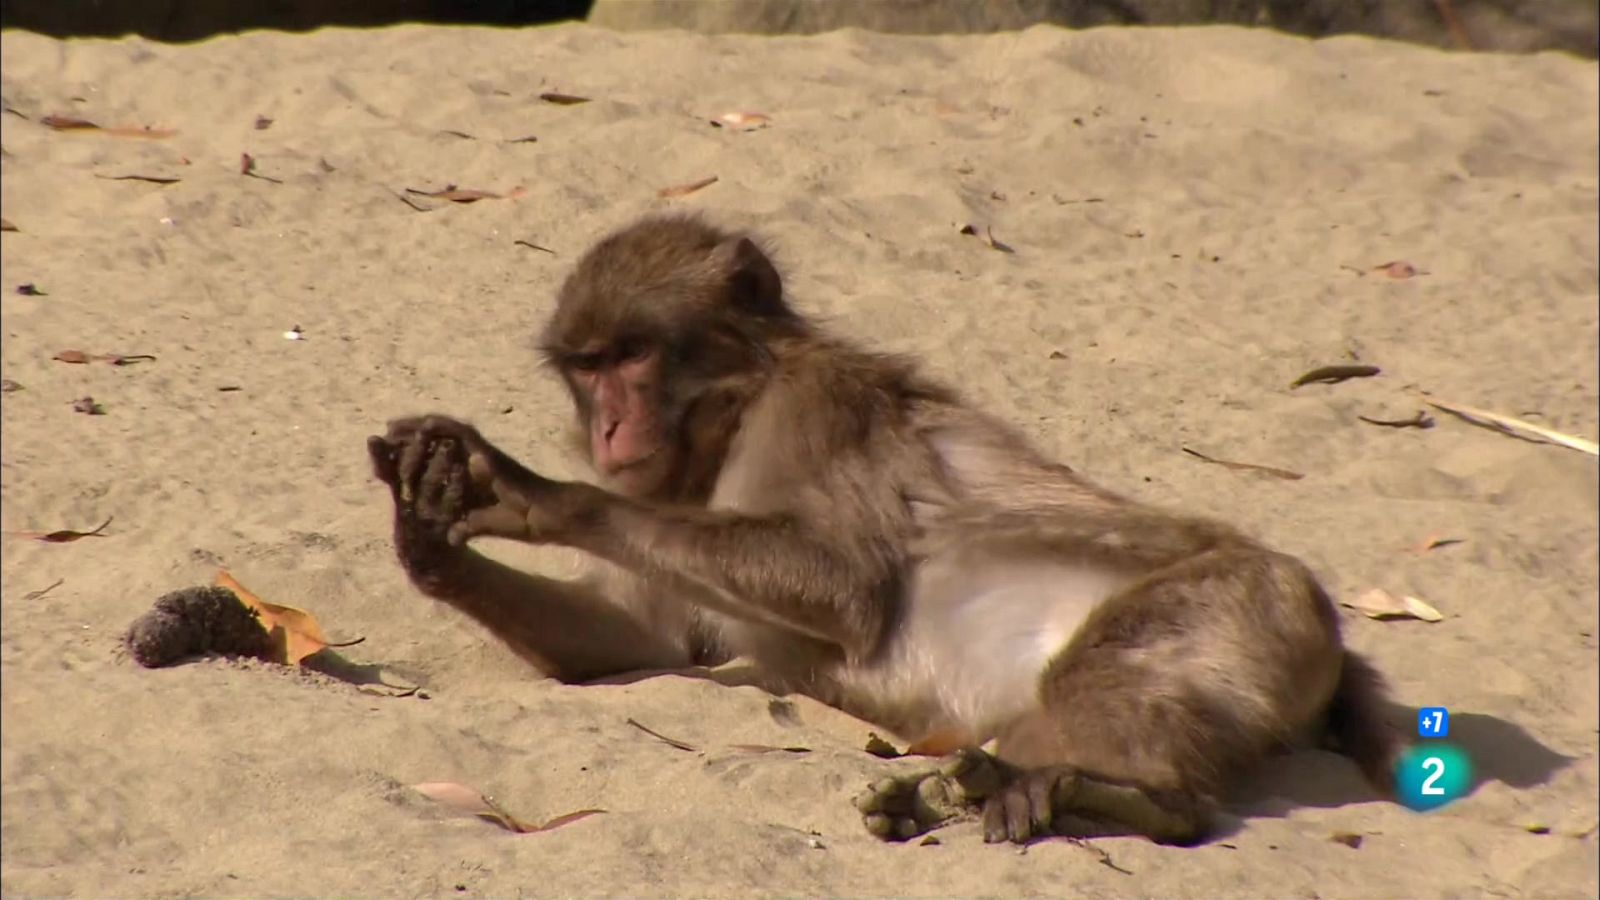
902	807
1020	805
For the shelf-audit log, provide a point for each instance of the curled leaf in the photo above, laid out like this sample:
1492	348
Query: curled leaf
765	748
73	123
295	632
5	225
30	290
64	536
562	99
680	190
1380	604
87	405
1420	420
263	123
881	748
153	179
76	357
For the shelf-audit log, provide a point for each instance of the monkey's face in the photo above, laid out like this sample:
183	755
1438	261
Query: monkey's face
617	387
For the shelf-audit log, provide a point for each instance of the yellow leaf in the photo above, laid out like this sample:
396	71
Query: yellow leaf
295	632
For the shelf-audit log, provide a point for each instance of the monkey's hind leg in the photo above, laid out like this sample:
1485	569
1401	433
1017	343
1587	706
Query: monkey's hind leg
1020	804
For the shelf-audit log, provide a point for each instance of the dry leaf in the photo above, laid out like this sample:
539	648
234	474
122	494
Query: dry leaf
1398	270
1334	375
532	246
117	359
1515	426
72	123
1245	467
562	99
1420	420
5	225
7	386
64	536
764	748
1434	542
988	238
881	748
1347	838
1380	604
87	405
742	121
30	290
680	190
941	743
263	123
295	632
71	356
467	195
661	737
467	800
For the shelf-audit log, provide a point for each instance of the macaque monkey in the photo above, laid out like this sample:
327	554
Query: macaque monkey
768	490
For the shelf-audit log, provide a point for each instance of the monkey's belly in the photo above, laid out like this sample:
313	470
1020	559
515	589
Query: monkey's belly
979	634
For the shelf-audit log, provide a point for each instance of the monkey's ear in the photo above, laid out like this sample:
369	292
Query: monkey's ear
752	280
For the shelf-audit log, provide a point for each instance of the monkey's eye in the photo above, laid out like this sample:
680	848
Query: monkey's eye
585	362
632	350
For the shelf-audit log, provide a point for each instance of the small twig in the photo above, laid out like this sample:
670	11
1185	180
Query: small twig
661	737
1104	858
1245	467
532	246
1514	426
34	595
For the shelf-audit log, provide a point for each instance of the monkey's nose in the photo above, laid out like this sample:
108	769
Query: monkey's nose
611	429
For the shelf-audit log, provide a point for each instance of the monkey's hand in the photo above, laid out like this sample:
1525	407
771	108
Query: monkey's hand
450	485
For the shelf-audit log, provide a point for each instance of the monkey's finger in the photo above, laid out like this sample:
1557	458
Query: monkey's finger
487	476
384	466
1019	817
436	479
994	821
413	458
1041	799
495	521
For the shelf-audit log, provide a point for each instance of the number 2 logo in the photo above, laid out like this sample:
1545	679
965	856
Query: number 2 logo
1432	775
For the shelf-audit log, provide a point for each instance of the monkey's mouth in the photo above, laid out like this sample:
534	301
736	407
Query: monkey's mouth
623	466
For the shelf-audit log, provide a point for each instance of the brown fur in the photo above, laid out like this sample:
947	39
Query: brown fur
868	538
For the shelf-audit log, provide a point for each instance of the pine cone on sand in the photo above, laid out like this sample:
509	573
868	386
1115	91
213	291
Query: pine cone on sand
197	620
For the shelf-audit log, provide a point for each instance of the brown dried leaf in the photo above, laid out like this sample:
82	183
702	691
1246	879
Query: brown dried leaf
5	225
87	405
680	190
263	123
7	386
562	99
68	123
1245	467
295	632
1380	604
988	238
1348	838
661	737
765	748
1334	375
77	357
467	800
116	359
30	290
532	246
64	536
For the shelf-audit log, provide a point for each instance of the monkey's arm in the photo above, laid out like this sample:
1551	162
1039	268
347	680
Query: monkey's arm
570	630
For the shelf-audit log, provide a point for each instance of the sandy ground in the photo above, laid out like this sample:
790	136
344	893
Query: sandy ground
1195	218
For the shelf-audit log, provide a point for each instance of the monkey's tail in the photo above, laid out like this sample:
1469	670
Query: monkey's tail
1358	725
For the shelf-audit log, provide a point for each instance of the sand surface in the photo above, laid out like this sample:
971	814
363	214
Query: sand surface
1195	217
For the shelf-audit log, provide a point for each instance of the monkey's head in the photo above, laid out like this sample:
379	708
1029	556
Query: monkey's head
660	332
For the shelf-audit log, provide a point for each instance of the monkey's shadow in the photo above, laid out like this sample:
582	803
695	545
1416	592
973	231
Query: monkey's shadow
1499	750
